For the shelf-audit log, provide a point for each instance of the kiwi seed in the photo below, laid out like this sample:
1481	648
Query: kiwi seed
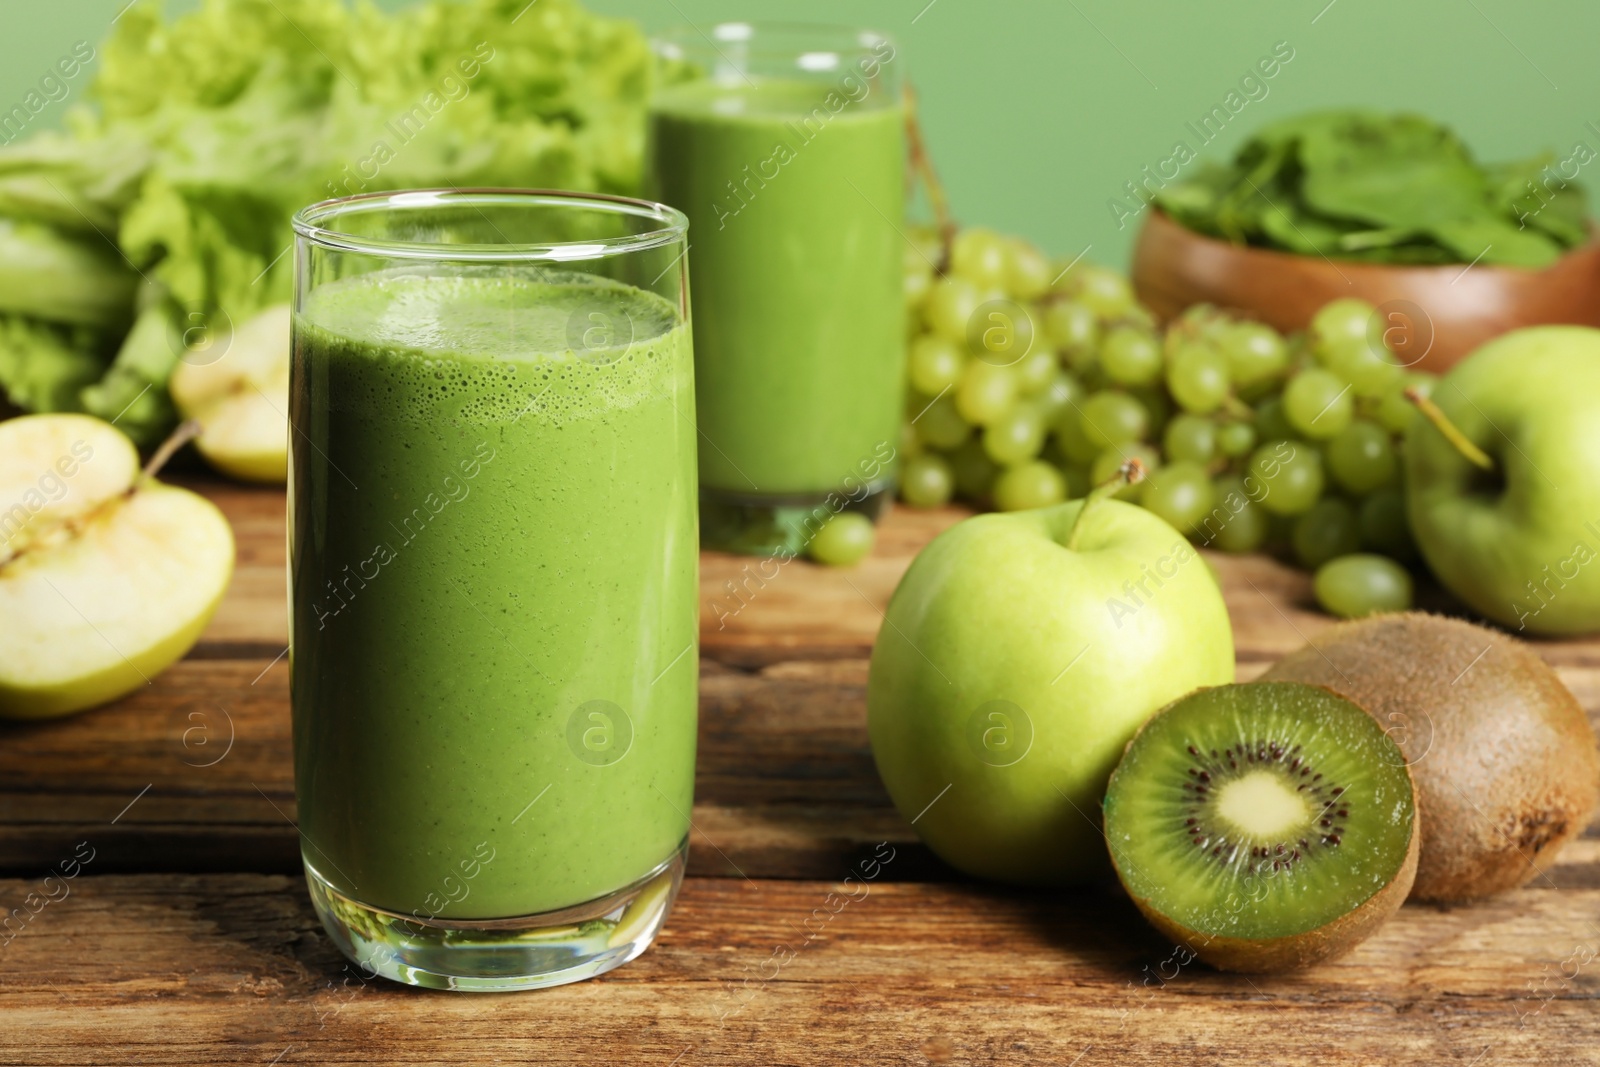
1265	826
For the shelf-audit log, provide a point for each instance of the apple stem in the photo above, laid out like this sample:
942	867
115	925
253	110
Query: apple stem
922	166
1434	414
1131	472
187	431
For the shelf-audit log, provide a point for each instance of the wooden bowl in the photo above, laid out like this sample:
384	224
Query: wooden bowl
1431	316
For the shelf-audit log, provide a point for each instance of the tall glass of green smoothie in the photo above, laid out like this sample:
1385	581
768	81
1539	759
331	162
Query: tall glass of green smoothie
493	580
785	147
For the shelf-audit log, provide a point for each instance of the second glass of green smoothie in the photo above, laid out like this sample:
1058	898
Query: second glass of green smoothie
785	147
493	580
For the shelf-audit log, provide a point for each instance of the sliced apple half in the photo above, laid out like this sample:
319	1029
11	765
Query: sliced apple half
99	597
241	398
63	466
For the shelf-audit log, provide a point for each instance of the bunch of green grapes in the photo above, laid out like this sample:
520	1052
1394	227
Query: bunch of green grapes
1030	382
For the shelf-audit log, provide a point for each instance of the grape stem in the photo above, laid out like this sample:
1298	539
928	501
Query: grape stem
1434	414
1130	473
922	167
1238	409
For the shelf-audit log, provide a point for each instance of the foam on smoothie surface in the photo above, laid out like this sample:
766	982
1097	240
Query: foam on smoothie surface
493	347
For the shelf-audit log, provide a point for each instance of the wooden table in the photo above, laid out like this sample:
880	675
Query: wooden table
188	937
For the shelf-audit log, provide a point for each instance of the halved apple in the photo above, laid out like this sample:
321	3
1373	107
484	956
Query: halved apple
241	398
107	576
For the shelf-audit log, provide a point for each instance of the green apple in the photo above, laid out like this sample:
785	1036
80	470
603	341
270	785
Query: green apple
1018	656
237	388
1503	480
107	576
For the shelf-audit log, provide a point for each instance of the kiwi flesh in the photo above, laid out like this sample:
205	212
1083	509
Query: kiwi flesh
1264	826
1503	755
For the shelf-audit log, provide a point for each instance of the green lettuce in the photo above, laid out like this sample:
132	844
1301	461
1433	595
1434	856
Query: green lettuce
174	187
44	366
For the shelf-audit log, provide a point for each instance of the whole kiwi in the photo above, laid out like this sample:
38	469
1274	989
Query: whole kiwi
1503	755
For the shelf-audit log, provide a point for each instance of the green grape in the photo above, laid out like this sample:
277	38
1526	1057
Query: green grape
1036	370
1197	377
843	540
985	392
1180	493
1361	458
1075	445
1130	356
1201	320
1103	291
926	481
1362	584
916	283
1270	423
1015	437
979	255
1106	464
1326	530
1140	316
934	363
1317	404
1384	526
1035	484
1191	439
1072	329
910	443
974	472
925	245
1369	373
940	424
1236	438
950	306
1059	394
1394	411
1027	273
1256	353
1236	522
1112	418
1342	320
1289	474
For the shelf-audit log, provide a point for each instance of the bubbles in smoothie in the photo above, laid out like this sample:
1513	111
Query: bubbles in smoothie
495	347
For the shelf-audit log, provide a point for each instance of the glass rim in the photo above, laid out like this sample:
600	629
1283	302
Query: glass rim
310	222
769	38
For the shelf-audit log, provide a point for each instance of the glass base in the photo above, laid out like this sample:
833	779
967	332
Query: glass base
764	525
498	955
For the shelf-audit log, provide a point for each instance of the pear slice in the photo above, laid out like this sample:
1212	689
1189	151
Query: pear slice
241	398
102	585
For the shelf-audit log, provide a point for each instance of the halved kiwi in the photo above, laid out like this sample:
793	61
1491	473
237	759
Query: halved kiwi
1264	826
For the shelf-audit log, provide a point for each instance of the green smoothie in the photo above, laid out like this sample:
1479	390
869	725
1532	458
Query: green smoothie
493	540
793	190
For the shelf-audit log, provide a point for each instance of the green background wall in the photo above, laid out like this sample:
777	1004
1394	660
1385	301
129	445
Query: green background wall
1037	111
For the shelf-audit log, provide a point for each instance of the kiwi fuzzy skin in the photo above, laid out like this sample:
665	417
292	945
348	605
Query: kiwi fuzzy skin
1503	756
1326	942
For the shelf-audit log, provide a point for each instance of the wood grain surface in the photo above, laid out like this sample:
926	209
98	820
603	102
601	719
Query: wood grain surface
188	938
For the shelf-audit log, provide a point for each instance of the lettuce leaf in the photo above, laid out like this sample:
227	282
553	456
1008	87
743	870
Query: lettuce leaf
43	366
206	132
